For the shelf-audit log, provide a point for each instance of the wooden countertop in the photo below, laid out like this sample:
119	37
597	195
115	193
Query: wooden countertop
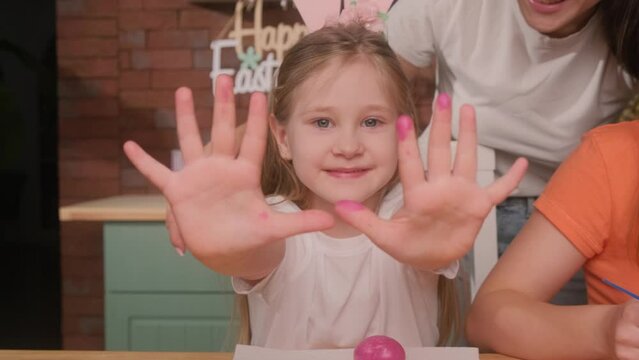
130	355
117	208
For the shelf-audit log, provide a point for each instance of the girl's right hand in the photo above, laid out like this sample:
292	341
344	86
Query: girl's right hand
216	199
626	331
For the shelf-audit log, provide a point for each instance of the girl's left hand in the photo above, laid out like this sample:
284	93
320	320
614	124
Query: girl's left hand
443	214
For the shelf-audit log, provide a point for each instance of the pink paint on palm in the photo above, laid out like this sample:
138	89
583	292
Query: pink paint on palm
316	12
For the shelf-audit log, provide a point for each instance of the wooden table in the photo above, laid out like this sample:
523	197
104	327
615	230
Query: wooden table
115	355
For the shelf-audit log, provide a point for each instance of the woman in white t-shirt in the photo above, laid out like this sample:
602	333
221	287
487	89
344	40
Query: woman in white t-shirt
540	74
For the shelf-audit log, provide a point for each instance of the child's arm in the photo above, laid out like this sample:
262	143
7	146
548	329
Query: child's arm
216	198
511	313
441	215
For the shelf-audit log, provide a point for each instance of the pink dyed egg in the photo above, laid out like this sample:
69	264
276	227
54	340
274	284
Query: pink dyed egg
379	347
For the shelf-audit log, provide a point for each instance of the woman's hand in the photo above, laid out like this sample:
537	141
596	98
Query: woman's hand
626	331
216	199
441	215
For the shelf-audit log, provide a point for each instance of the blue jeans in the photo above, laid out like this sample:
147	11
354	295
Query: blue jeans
511	216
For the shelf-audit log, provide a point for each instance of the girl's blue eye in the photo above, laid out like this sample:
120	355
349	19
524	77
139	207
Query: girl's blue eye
322	123
371	122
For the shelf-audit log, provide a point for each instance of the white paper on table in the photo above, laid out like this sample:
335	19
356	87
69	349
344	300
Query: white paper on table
245	352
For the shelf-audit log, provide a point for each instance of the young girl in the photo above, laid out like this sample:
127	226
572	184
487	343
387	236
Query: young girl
334	254
588	217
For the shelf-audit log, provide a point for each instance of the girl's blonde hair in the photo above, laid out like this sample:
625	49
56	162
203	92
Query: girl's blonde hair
309	56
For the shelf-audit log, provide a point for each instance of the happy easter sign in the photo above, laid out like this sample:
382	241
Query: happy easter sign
258	58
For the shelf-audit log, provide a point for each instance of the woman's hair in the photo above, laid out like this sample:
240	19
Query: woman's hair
620	20
621	25
309	56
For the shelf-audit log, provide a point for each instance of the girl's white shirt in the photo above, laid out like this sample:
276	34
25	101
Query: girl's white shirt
332	293
534	95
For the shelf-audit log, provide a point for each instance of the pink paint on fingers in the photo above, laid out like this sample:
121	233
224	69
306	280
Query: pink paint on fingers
404	125
349	205
263	215
443	101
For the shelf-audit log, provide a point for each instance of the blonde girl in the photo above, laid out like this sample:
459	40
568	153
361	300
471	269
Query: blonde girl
337	251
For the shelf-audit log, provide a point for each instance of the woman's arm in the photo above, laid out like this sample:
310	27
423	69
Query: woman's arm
511	313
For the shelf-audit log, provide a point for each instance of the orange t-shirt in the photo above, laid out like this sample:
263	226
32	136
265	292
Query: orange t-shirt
593	199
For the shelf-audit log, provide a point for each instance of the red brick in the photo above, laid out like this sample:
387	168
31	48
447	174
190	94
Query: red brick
204	117
164	118
88	128
89	149
82	285
88	324
130	4
154	139
87	8
202	97
146	99
81	238
87	266
148	20
86	188
87	47
89	169
200	18
172	79
74	28
80	342
135	80
161	59
87	88
137	118
73	108
82	305
133	39
189	39
104	67
124	60
202	59
131	177
166	4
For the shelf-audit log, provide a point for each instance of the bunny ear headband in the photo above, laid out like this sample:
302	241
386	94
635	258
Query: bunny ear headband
317	13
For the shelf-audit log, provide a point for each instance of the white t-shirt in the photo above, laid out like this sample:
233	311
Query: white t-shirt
534	95
332	293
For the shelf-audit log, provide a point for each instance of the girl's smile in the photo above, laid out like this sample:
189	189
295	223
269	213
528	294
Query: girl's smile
347	173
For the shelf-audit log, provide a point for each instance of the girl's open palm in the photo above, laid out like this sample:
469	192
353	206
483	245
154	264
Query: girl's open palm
443	214
216	199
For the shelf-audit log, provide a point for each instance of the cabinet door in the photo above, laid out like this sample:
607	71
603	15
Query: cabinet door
156	300
170	322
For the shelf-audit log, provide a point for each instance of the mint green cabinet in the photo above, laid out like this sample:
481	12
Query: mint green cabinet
156	300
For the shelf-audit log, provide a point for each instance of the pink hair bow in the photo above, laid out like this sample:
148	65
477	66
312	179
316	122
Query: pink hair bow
317	13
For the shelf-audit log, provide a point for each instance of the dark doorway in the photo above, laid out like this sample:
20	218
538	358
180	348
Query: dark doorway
29	227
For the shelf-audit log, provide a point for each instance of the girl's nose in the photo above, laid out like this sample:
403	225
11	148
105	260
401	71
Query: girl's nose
348	145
